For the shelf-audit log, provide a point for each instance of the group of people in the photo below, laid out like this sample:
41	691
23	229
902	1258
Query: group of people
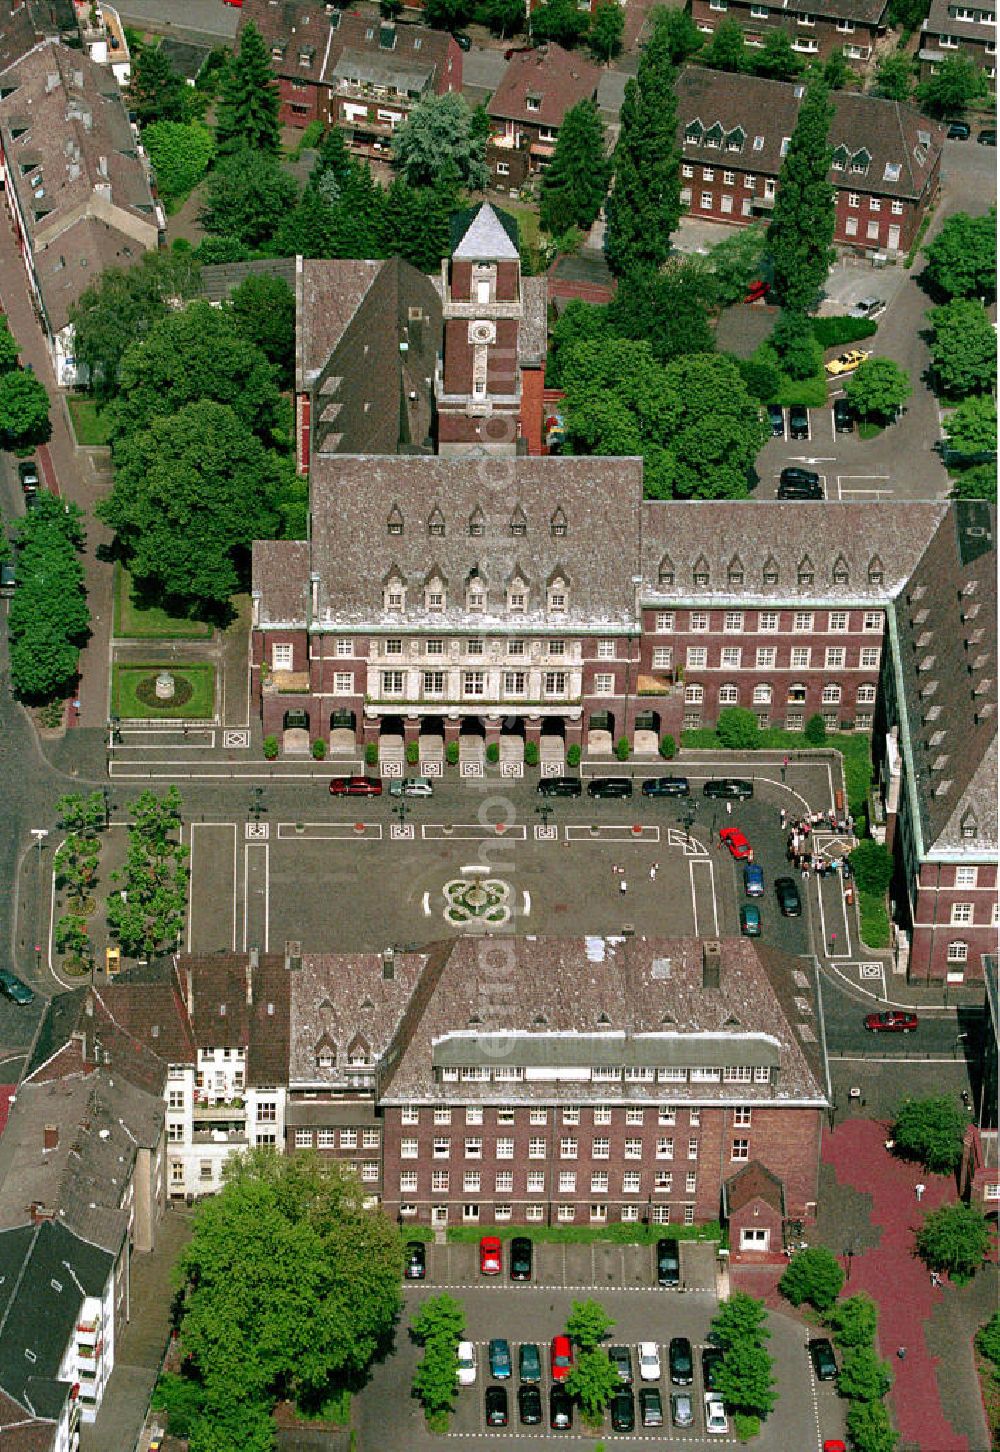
824	821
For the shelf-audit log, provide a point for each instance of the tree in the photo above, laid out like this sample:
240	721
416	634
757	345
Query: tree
736	261
745	1380
815	731
82	814
437	136
502	17
776	59
147	914
836	71
606	30
561	21
289	1248
872	865
963	347
854	1321
390	9
438	1326
195	353
669	309
8	347
180	155
954	1239
979	482
441	1318
972	427
955	84
121	306
801	230
310	230
737	729
191	494
894	76
988	1343
932	1131
588	1323
645	203
249	103
863	1376
907	15
681	37
247	195
715	431
447	14
155	91
813	1275
869	1427
794	341
264	312
416	222
741	1318
575	182
727	50
49	619
878	388
593	1381
581	322
24	410
962	259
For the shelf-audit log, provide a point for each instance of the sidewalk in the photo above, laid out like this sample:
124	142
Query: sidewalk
935	1397
68	470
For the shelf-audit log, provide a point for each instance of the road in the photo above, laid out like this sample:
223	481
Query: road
188	18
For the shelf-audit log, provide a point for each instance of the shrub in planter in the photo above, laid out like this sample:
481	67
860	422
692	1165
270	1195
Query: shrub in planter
573	755
493	751
270	747
412	753
451	753
668	747
622	749
531	753
319	749
371	754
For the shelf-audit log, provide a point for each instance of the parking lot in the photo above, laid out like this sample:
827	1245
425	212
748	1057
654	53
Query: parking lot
584	1268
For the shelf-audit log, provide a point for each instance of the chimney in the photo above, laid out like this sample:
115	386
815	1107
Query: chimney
388	965
293	954
253	963
711	963
50	1137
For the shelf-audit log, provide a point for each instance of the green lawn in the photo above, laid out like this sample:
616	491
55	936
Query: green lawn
200	705
628	1233
89	421
810	392
874	919
868	429
148	622
854	746
527	222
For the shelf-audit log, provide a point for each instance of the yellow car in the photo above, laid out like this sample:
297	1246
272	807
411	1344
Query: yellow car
847	362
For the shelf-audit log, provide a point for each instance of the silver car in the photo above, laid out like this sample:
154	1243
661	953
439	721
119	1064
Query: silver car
681	1410
411	786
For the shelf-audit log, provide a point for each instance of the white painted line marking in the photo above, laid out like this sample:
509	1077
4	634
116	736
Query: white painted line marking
427	904
527	904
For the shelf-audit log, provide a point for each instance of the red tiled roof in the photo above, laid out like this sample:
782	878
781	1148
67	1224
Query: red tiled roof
555	77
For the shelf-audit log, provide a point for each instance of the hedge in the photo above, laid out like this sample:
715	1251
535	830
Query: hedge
837	331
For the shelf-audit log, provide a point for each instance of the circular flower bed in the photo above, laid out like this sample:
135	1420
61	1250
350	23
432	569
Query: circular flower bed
146	692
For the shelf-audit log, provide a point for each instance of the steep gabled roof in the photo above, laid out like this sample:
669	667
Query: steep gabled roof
486	232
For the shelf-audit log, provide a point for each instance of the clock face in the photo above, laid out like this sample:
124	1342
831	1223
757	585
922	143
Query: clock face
482	332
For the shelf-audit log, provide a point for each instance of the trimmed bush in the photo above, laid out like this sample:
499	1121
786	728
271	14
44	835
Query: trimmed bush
531	753
412	753
813	1275
834	332
319	749
622	749
737	729
573	755
493	752
815	731
270	747
451	753
371	754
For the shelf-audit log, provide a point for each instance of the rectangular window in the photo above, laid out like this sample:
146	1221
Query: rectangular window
604	684
727	202
515	647
555	683
835	656
688	1214
567	1182
708	173
961	912
433	683
343	682
801	655
345	647
474	1149
442	1147
851	226
536	1149
473	683
706	199
664	1149
740	1150
434	647
838	620
505	1116
666	1114
471	1181
663	1180
505	1148
897	209
692	1149
536	1178
440	1180
408	1182
534	1212
663	657
691	1182
303	1139
872	231
958	952
281	657
568	1148
474	1114
566	1212
442	1116
605	650
664	621
699	620
633	1149
571	1114
504	1182
348	1139
741	1117
697	656
602	1114
869	657
964	877
408	1149
515	683
538	1116
631	1182
392	683
874	620
803	621
599	1182
766	657
732	655
635	1116
470	1214
687	171
874	204
767	621
733	621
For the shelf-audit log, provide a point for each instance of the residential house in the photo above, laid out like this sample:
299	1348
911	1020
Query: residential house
815	30
957	29
735	130
537	89
76	186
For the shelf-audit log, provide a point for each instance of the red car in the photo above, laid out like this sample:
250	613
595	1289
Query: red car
758	290
490	1256
561	1357
736	842
893	1021
356	786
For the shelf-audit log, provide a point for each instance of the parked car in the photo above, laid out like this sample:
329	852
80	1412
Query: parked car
610	786
959	131
756	291
798	422
621	1359
668	1262
681	1409
666	786
559	786
795	483
868	307
13	988
623	1411
466	1363
490	1256
735	840
31	501
711	1360
356	786
27	472
464	42
788	897
776	418
416	1260
822	1357
892	1021
716	1420
411	786
8	579
847	362
843	416
650	1407
529	1362
680	1361
987	138
500	1362
560	1358
728	788
560	1409
753	880
750	920
529	1406
649	1361
520	1258
496	1406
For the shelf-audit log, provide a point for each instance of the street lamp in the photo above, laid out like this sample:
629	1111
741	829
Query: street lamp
545	812
108	807
849	1257
401	808
115	725
257	807
688	819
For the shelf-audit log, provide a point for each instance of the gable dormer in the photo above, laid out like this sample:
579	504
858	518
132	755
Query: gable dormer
841	574
394	522
714	136
771	571
518	521
701	574
394	589
734	571
693	132
861	160
876	571
477	522
557	523
435	523
435	591
476	594
806	571
665	572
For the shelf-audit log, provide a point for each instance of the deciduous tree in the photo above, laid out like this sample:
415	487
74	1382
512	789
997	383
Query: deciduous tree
560	20
606	31
737	729
588	1323
801	230
854	1321
247	195
681	37
8	347
954	1239
264	311
795	344
593	1381
979	482
894	76
813	1275
776	60
869	1427
963	348
930	1130
575	183
727	50
878	388
972	427
670	309
863	1376
180	154
436	137
24	409
736	262
49	619
872	864
249	103
501	17
962	259
955	84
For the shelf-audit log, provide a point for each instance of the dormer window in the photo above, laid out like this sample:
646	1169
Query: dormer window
517	595
533	103
394	592
735	571
557	524
394	524
841	574
518	522
435	595
806	573
435	523
475	592
557	596
970	826
665	575
770	571
701	571
736	139
693	132
841	156
477	522
713	136
892	171
861	161
876	571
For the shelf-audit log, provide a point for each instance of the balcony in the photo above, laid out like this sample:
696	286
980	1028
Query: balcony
287	683
232	1135
222	1109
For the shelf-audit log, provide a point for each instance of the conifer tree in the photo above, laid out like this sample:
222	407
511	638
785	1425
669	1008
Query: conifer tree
575	183
801	230
155	91
249	101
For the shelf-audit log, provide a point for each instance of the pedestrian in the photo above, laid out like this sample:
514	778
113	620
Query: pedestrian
805	870
901	1353
652	873
729	809
784	814
919	1191
623	887
935	1279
